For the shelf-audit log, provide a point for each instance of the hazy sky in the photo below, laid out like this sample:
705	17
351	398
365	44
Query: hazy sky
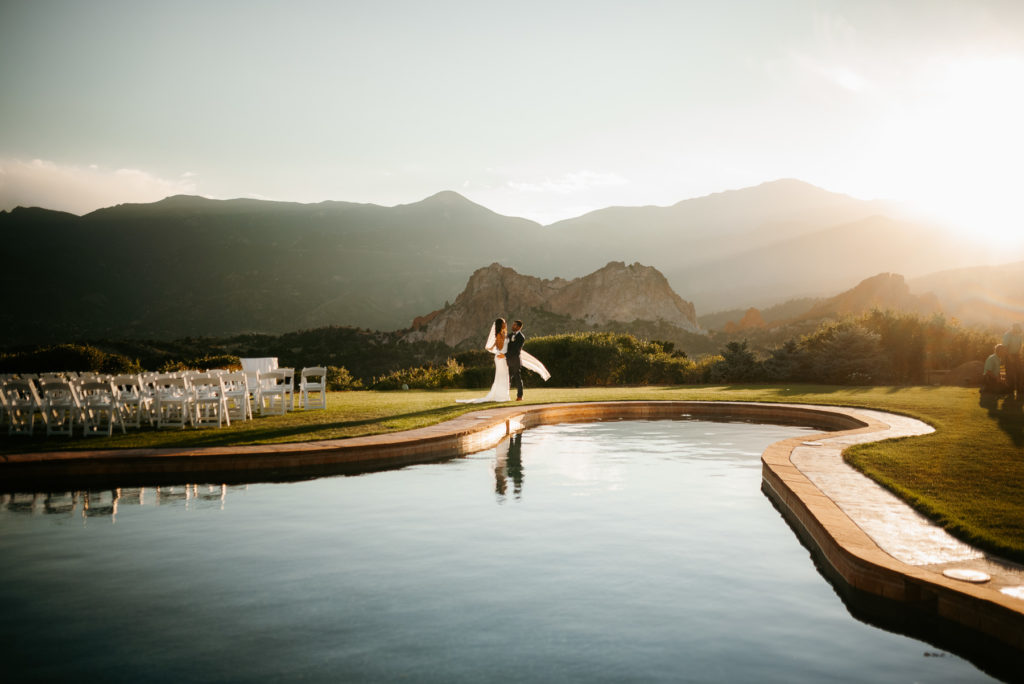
537	109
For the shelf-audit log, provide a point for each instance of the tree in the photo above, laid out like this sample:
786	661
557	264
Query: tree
852	356
738	364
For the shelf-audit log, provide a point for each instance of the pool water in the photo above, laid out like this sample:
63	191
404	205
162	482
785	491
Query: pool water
613	551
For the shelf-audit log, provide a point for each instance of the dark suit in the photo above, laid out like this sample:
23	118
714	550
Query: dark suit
515	367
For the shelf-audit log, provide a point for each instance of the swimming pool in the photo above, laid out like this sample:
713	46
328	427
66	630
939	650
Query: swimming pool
611	551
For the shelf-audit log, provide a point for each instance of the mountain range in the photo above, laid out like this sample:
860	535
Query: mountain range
195	266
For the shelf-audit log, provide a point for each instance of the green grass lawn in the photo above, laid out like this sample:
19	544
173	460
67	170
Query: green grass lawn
968	476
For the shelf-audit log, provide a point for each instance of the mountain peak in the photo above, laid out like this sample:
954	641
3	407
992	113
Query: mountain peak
451	204
449	198
175	201
781	190
885	291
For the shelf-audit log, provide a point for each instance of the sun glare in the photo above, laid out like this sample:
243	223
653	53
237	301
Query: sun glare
960	150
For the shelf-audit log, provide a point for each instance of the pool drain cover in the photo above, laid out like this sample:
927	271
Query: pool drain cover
1015	592
966	575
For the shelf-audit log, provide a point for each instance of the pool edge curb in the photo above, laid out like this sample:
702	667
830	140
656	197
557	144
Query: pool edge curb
855	558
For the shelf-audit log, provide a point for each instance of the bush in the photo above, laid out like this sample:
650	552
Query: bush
68	357
785	362
421	377
339	380
853	356
574	360
605	359
737	364
577	359
901	338
202	363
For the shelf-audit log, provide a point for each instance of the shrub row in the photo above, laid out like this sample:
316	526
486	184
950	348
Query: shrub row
877	348
79	358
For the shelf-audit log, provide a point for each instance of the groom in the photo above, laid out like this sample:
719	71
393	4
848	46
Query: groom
515	366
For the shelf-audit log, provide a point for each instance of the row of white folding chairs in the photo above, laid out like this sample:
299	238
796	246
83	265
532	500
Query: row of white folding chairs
97	403
161	399
208	398
269	393
273	392
180	398
63	404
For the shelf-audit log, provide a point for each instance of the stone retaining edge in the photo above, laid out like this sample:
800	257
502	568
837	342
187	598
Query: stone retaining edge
865	566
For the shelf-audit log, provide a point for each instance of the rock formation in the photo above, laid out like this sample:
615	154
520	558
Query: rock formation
751	319
615	293
885	291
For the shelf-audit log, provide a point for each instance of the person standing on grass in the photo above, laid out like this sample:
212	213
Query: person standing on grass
515	364
991	381
1012	340
497	344
519	359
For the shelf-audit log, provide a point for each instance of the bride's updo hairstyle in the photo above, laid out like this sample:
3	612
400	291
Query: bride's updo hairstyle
499	332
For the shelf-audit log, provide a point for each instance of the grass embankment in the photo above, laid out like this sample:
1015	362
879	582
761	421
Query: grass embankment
968	476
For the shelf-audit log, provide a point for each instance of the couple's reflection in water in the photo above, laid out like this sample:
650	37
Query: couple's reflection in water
508	464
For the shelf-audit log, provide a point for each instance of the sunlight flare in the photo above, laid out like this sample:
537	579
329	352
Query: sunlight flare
962	146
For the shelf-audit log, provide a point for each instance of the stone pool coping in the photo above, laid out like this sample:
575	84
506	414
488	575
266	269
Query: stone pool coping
810	496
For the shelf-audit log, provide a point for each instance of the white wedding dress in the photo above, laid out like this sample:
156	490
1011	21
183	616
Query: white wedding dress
500	389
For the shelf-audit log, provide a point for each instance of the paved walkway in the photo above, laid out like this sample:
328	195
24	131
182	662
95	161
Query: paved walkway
898	529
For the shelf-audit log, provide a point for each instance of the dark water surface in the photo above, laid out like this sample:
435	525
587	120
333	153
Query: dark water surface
618	551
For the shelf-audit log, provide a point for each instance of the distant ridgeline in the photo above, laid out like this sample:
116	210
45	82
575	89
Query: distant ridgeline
885	292
188	266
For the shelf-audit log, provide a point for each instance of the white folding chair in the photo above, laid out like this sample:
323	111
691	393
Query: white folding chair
21	402
313	387
99	408
289	385
60	406
172	401
208	403
236	396
148	390
273	393
132	399
252	380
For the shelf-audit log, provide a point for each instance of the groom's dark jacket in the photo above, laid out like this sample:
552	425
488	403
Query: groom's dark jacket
515	345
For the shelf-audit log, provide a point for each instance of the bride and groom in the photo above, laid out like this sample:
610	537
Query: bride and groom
509	361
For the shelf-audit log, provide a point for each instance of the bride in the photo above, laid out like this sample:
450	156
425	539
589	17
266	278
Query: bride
497	344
